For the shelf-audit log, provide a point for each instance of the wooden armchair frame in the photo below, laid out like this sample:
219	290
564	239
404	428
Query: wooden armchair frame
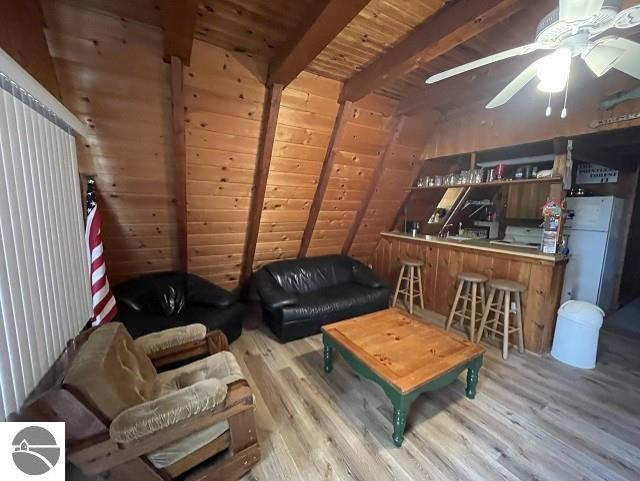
89	446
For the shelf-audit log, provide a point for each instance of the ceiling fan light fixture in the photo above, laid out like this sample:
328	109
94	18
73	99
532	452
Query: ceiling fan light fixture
553	71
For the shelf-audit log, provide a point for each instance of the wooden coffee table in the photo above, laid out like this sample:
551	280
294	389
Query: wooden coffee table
404	355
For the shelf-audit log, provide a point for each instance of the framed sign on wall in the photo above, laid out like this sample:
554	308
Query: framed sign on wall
596	174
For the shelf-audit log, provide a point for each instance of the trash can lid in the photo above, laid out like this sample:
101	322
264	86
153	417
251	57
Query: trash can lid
583	313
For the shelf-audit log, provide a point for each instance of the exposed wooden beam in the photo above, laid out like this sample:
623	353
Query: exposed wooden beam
449	27
179	24
325	173
373	183
267	137
180	159
325	21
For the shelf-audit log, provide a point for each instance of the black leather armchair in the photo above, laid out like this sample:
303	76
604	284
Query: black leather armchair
154	302
299	296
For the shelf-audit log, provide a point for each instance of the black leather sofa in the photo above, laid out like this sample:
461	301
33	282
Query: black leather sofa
163	300
299	296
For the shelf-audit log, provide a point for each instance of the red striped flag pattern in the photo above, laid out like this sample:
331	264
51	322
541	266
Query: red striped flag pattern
104	304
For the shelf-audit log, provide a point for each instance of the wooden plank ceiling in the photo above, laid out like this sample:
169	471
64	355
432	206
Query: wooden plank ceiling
256	28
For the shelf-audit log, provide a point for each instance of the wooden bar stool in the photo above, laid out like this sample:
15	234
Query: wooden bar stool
412	274
506	291
473	286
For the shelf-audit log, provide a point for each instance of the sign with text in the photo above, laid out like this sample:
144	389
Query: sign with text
596	174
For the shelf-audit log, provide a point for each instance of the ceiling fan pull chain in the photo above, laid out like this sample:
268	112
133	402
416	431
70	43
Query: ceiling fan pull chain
548	111
563	114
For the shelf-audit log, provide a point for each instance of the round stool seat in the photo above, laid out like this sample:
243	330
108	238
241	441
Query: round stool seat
408	261
506	285
472	277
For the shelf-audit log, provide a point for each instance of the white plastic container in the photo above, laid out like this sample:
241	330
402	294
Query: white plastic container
577	330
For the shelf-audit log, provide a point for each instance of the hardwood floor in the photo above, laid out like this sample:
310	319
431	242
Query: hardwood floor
533	418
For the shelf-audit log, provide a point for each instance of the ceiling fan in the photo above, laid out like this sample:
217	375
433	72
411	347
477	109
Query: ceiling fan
577	28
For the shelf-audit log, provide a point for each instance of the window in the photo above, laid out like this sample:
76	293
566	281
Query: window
44	293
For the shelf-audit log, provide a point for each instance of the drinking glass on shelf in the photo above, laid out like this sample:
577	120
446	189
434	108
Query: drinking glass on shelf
438	181
465	177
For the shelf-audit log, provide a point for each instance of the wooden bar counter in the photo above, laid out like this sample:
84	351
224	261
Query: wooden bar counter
543	274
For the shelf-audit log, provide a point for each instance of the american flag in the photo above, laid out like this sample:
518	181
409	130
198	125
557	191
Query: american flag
104	304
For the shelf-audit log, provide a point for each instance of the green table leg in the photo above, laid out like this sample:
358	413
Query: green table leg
328	365
400	408
472	377
400	402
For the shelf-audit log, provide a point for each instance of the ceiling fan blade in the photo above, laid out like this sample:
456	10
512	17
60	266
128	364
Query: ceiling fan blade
602	58
514	86
572	10
629	62
514	52
628	18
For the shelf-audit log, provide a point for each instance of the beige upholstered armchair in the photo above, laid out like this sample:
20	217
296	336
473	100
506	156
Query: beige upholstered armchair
126	419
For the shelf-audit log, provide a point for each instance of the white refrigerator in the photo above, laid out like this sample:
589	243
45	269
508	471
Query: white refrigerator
594	230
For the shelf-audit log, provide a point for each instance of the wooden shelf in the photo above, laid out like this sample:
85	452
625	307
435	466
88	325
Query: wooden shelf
497	183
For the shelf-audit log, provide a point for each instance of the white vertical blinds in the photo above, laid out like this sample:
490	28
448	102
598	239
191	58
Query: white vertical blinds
44	276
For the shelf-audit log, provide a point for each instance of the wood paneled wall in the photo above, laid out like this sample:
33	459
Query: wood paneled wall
224	103
112	77
522	120
224	109
366	133
307	113
397	177
22	37
525	201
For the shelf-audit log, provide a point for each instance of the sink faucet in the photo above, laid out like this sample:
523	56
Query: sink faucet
447	228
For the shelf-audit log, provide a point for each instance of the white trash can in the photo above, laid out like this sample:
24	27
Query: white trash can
577	330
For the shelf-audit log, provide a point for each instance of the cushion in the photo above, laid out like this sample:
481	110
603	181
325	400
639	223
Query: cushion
201	291
145	293
331	300
222	366
174	452
168	338
300	276
111	371
170	408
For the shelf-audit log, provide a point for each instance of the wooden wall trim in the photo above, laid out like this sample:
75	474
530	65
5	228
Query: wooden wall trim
180	158
267	137
179	25
373	183
325	21
446	29
327	165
